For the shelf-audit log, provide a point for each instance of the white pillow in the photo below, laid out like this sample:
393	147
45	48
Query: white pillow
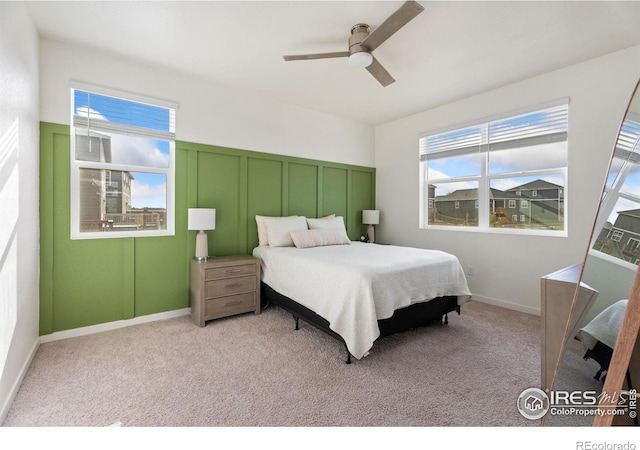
263	238
330	216
278	229
336	223
318	238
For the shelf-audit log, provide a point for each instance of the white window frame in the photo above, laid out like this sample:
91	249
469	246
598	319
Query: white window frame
78	165
512	204
627	148
485	178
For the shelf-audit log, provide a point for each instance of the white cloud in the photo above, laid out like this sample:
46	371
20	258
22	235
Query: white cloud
137	152
130	150
143	194
536	157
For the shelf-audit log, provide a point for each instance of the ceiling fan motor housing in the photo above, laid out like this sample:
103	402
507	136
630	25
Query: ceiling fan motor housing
359	33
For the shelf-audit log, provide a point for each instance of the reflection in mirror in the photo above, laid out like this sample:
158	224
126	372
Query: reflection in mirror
609	269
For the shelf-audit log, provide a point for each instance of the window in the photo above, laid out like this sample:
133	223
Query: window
620	208
517	157
122	164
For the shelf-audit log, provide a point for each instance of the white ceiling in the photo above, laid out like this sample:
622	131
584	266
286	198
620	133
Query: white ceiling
450	51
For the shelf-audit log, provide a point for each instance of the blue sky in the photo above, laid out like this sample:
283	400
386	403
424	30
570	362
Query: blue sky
537	157
148	189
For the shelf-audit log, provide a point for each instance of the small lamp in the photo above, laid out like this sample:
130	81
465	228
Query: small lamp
371	217
201	219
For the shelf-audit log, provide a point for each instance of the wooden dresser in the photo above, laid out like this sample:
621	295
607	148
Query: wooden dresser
224	286
557	293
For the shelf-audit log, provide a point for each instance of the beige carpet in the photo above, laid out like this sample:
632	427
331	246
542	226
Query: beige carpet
254	371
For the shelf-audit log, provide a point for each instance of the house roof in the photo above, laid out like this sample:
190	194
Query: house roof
630	212
535	185
472	194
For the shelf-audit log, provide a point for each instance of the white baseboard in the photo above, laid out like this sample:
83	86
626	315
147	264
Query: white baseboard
58	335
18	382
506	304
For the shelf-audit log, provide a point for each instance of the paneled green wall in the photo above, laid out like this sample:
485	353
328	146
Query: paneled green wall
88	282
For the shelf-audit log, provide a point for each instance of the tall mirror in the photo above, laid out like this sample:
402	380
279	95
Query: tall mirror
609	270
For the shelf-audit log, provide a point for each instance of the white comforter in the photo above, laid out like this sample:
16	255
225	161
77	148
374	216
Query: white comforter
353	286
604	327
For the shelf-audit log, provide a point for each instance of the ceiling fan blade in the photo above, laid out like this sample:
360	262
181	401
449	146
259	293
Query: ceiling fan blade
316	56
380	73
394	22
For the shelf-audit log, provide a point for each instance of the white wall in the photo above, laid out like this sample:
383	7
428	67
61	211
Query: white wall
207	113
19	193
507	268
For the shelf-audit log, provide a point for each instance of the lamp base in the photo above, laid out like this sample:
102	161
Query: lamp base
371	232
202	246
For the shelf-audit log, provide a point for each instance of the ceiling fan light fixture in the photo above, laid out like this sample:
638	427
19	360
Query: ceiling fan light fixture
360	59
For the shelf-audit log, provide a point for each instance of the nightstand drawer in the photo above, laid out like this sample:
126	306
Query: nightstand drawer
234	271
227	306
230	286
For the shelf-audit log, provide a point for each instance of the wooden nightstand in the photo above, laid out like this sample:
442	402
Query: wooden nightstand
224	286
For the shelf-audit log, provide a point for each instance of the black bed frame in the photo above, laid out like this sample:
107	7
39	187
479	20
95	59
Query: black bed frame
413	316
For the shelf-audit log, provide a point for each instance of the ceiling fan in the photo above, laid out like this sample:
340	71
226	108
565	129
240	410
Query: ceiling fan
362	42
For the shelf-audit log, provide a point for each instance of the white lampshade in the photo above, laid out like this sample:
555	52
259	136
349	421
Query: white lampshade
360	59
201	219
371	217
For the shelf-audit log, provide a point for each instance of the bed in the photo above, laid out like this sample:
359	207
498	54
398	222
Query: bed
354	291
599	336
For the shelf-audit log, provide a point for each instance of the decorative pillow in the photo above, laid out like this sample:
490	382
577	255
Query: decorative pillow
335	223
278	229
318	238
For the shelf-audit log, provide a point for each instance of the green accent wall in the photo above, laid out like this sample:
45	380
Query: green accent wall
92	281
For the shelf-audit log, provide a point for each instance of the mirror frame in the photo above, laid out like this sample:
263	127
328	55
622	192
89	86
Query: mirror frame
627	339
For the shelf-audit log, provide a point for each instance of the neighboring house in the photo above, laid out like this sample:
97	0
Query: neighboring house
94	147
105	195
542	202
622	239
538	203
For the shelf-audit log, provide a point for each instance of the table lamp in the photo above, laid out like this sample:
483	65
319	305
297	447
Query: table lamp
201	219
371	217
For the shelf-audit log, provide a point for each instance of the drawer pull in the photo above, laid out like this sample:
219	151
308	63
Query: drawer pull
237	302
233	271
235	285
